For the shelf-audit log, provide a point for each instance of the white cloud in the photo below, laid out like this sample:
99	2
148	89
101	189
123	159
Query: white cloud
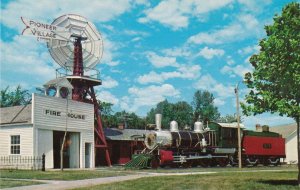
168	13
161	61
252	5
177	52
148	96
246	25
248	21
46	11
229	60
209	53
238	70
176	14
135	33
151	77
219	102
106	96
249	50
109	52
220	91
108	82
266	119
136	39
189	71
27	61
217	36
183	72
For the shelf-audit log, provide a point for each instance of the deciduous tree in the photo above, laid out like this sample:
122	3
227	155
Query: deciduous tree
181	112
203	106
16	97
275	82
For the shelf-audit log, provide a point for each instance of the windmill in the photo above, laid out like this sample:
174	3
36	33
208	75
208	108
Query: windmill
76	45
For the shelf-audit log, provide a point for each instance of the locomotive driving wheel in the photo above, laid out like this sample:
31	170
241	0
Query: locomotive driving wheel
187	164
223	162
205	162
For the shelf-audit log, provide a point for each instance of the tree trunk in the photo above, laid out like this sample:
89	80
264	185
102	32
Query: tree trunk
62	152
298	146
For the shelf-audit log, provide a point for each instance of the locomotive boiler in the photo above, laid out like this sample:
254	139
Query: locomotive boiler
183	147
175	139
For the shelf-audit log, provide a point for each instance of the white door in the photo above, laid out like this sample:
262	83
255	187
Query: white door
87	155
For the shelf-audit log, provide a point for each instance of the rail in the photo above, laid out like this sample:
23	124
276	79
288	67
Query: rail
68	71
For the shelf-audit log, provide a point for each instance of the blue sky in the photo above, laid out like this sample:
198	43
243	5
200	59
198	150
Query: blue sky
153	50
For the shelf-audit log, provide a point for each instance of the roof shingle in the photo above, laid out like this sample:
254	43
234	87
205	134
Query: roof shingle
15	114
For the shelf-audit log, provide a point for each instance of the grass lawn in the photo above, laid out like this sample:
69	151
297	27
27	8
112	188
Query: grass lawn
62	175
7	183
217	169
221	181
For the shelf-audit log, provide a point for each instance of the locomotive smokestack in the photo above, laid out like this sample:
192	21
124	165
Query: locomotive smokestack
158	118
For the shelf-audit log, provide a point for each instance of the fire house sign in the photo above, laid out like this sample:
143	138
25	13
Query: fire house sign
56	113
44	31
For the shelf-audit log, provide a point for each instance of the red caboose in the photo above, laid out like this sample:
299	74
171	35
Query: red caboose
262	147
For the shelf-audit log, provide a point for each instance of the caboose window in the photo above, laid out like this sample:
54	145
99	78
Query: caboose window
267	146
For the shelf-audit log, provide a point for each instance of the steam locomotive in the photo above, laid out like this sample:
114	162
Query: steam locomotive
211	145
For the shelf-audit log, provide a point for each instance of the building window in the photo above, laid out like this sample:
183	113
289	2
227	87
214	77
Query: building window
15	144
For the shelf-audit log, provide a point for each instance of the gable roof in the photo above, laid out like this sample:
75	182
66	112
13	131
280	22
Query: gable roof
285	130
124	134
15	114
61	81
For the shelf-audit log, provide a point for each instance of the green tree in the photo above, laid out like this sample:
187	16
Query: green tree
108	119
228	119
164	108
16	97
131	119
105	108
275	82
203	106
181	112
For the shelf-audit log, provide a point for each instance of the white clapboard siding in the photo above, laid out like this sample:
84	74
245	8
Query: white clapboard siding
42	120
45	146
26	139
291	149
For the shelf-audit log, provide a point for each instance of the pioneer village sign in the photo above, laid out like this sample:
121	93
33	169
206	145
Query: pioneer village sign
44	31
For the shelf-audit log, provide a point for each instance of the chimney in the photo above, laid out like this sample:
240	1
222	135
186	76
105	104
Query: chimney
258	128
265	128
121	126
158	118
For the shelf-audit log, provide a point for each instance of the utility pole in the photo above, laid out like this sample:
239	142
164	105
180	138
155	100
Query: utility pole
236	90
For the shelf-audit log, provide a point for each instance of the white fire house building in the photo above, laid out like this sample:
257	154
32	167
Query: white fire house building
39	127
